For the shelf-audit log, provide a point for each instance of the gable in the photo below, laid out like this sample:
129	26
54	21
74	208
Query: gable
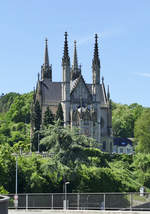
81	92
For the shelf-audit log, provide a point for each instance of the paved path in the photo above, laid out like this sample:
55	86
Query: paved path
74	212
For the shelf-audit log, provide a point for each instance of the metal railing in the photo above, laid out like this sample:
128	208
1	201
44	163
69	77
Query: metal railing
81	201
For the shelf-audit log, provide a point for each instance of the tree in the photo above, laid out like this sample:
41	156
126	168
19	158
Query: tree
36	119
6	101
123	121
19	110
37	116
59	114
142	132
136	110
48	117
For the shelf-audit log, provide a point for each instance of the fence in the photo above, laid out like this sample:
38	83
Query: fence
81	201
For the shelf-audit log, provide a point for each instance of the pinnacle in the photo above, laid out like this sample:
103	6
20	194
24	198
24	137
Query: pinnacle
66	58
108	93
46	58
75	60
96	54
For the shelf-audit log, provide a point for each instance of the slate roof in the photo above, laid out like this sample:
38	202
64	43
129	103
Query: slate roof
119	141
51	90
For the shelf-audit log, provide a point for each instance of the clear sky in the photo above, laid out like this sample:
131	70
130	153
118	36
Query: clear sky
124	43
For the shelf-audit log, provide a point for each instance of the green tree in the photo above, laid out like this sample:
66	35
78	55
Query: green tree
48	117
59	114
142	132
36	119
7	168
136	110
141	171
124	117
20	108
123	121
6	101
37	116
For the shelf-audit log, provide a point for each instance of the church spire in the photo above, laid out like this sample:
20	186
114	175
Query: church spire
46	58
75	59
66	83
46	69
96	60
66	59
96	63
76	71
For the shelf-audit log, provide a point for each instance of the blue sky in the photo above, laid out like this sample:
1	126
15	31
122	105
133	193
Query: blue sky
124	43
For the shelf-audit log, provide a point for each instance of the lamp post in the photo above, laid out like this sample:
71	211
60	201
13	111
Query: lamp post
66	183
16	185
16	176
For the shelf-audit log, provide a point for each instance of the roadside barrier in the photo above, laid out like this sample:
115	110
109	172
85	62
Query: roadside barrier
81	201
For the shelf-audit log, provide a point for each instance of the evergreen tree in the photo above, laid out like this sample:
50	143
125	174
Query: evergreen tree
37	116
59	114
48	117
36	123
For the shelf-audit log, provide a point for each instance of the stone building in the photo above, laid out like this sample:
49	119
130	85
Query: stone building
86	106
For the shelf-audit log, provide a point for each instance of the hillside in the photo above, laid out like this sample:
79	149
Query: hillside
71	157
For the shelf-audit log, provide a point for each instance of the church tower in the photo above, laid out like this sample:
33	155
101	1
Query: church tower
96	71
46	69
66	82
96	88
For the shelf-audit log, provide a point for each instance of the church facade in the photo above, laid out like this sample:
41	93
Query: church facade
84	105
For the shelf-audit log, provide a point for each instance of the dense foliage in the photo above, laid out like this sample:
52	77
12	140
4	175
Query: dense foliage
124	118
70	156
48	117
142	132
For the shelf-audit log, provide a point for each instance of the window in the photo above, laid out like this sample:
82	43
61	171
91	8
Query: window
86	122
128	151
121	150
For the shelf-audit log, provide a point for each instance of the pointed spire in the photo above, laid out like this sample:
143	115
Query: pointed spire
75	59
76	71
102	79
46	58
108	94
96	54
66	59
38	76
46	69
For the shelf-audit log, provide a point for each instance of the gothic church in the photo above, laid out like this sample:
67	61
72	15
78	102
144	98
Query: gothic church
86	106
